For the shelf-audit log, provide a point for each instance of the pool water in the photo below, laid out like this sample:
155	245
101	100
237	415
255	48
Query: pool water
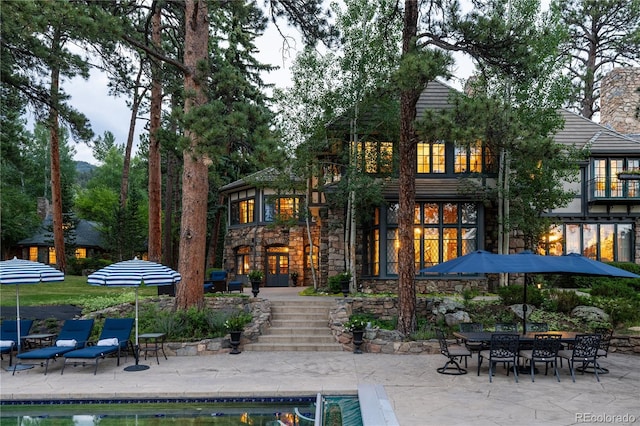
299	411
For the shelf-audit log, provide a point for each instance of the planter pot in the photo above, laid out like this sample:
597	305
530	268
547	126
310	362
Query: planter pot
235	341
255	287
344	286
629	176
358	340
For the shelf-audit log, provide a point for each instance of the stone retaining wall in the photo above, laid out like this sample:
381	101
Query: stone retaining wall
376	341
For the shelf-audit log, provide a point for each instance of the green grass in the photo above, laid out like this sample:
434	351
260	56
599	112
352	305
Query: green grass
74	290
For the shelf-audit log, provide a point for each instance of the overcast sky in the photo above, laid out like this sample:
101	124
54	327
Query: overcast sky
107	113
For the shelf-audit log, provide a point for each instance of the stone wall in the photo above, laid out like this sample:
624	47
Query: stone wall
392	342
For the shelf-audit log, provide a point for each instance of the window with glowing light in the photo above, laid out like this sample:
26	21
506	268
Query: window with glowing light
606	242
243	260
242	211
605	181
33	254
442	231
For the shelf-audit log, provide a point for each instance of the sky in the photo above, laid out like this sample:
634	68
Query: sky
108	113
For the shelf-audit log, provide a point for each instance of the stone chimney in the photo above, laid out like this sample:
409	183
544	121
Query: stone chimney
619	98
44	208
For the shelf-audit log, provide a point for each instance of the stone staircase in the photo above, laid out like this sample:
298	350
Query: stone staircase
297	325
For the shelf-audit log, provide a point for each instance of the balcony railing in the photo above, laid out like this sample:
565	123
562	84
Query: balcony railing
613	191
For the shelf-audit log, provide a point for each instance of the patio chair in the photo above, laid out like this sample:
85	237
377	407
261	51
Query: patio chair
9	336
453	353
114	339
536	327
73	335
473	327
585	351
506	327
545	349
605	341
503	348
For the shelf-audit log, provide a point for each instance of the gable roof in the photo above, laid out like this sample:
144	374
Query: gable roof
578	130
264	176
86	235
584	133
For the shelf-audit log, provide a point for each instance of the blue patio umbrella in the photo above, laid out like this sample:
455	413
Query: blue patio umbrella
526	262
577	264
134	273
476	262
19	271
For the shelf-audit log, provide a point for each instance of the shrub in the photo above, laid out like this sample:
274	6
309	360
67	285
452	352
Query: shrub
514	294
615	289
620	310
563	301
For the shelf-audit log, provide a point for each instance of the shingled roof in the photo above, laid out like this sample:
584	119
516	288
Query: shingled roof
86	235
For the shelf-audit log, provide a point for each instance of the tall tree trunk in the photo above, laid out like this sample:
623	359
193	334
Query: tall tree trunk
56	183
155	179
406	262
135	107
195	184
212	252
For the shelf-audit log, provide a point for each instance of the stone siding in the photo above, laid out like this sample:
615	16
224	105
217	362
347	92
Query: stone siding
619	98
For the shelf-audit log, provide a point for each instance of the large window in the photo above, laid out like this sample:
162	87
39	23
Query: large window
242	211
431	157
243	260
606	242
374	156
470	159
281	208
605	178
442	231
33	254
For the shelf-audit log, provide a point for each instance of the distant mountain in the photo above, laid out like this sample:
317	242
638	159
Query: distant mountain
84	167
84	171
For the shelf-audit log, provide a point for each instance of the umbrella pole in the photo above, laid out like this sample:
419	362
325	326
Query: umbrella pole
524	305
16	366
136	348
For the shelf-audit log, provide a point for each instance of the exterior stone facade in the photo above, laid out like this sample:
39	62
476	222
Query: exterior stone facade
619	98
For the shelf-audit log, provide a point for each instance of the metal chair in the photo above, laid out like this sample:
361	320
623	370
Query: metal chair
503	348
473	327
536	327
506	327
545	349
605	340
452	352
585	351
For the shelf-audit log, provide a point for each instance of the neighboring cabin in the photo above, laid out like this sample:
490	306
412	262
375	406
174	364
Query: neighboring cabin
602	222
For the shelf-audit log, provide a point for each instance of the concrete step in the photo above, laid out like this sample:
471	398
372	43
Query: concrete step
296	339
296	316
276	323
292	331
297	326
270	347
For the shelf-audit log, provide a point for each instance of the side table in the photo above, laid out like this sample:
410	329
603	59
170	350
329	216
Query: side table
39	340
153	342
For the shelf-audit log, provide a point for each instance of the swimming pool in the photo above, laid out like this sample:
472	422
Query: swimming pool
289	411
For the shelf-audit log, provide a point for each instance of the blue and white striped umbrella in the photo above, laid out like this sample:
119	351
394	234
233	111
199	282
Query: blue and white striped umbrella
19	271
134	273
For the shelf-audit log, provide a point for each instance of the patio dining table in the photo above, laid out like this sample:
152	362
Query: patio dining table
485	336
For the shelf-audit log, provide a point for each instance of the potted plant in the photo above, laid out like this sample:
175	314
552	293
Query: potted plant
255	276
345	279
234	325
294	278
356	326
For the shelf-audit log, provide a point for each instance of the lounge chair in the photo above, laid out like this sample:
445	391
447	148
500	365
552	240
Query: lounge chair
114	339
73	335
9	336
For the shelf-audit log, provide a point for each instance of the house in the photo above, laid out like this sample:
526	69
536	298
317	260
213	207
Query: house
602	221
85	238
